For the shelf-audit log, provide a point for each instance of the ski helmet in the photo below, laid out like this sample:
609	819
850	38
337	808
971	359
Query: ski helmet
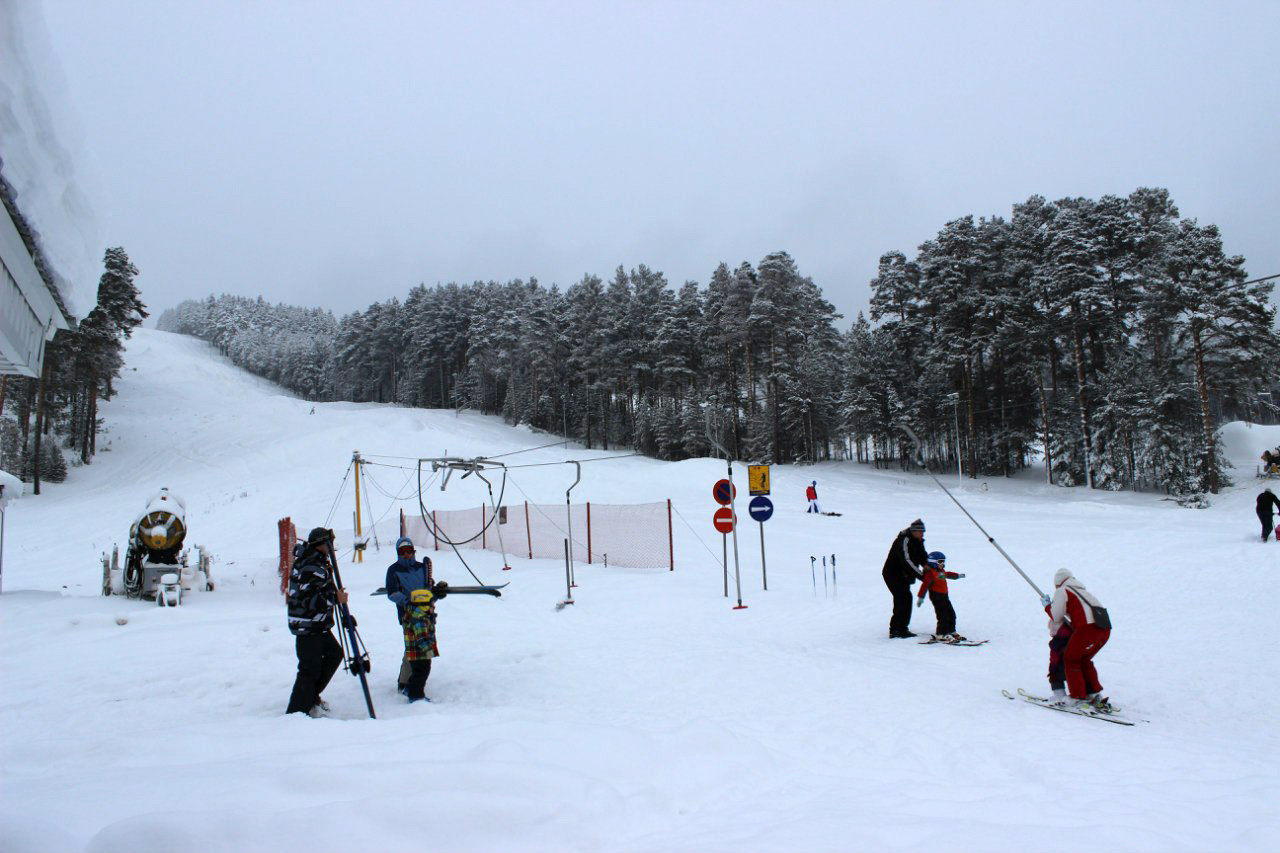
937	558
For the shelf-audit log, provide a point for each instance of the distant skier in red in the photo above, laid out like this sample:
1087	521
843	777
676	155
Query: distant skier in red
1090	630
811	494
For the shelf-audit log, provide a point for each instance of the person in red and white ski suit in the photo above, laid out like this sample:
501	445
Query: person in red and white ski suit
811	495
1090	630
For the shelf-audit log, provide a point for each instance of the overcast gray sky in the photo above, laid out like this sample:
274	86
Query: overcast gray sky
338	153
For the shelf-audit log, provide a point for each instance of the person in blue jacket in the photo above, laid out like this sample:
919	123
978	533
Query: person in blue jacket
417	615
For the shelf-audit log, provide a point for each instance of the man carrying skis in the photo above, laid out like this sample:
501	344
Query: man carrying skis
1090	630
311	598
811	494
1267	501
410	588
902	568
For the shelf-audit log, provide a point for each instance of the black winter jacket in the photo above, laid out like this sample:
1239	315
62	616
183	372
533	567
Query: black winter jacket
907	558
312	594
1265	501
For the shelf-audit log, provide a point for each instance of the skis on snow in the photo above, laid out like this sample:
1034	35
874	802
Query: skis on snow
1045	702
484	589
934	641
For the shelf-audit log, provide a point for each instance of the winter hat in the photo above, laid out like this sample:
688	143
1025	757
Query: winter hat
1060	577
917	525
936	557
319	536
402	542
815	482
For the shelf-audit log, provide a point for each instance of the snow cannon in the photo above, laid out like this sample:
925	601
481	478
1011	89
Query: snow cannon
160	530
156	566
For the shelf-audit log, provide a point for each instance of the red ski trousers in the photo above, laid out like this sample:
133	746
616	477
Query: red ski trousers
1077	658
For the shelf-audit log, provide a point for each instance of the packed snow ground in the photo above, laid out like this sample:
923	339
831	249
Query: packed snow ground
650	716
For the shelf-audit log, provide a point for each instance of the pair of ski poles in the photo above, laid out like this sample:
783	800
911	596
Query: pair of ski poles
814	575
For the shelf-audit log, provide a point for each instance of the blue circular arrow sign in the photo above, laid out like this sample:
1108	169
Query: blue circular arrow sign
761	509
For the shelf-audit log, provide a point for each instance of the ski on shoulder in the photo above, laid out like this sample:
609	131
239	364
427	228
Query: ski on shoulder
1045	702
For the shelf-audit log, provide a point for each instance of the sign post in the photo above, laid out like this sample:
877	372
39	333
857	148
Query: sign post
723	492
724	520
761	509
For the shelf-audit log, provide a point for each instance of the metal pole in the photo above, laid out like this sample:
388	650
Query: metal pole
916	443
724	560
733	515
355	460
568	514
955	415
764	571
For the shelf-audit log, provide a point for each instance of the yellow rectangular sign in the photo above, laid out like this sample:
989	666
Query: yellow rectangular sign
758	479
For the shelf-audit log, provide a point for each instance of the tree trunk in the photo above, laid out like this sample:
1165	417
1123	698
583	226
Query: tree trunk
91	424
1076	339
1044	420
1202	382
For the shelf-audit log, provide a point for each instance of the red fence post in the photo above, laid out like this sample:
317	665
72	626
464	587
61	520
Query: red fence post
588	533
528	532
434	527
402	522
287	536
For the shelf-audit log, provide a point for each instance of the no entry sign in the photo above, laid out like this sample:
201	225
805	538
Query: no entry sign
724	491
723	521
761	509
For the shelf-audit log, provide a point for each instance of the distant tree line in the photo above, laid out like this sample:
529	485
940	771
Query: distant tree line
41	417
1111	335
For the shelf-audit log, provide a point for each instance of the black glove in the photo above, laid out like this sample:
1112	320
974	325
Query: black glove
348	621
440	590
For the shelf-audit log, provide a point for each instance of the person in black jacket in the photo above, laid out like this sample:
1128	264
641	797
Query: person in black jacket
902	568
311	598
1267	500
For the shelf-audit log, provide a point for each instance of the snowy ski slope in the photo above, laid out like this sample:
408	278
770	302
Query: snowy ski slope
650	716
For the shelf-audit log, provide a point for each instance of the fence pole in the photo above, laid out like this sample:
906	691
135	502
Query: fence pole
588	533
434	528
671	548
528	531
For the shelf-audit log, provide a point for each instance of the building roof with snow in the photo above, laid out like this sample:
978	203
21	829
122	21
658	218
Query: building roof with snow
50	252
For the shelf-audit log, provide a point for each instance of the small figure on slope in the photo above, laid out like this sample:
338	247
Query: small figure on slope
811	494
1267	502
1271	462
410	588
935	584
903	567
311	598
1090	629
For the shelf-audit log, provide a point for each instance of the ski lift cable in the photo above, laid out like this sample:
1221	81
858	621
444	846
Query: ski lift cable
437	532
528	449
572	461
553	522
342	488
394	497
694	532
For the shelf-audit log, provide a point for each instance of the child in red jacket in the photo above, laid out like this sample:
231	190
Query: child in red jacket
935	584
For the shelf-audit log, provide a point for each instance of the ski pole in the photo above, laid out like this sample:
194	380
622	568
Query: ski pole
824	574
813	576
834	591
915	443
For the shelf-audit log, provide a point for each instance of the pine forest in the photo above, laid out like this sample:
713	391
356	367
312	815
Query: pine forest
1111	336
